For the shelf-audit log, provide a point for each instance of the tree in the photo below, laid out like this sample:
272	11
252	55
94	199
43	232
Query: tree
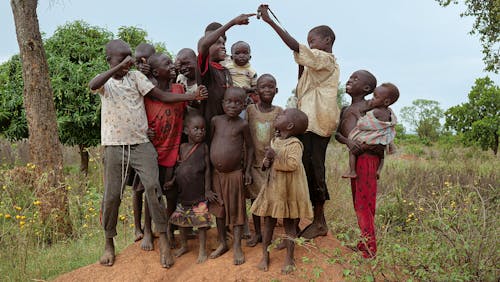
487	25
478	120
45	147
424	116
75	55
13	123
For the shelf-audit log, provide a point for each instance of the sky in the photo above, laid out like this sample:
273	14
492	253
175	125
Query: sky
423	48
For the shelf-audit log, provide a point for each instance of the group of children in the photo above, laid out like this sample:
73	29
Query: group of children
237	145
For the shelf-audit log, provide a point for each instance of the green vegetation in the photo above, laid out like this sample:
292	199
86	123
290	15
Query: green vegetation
437	211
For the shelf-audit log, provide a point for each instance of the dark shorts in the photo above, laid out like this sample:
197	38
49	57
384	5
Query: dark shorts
313	159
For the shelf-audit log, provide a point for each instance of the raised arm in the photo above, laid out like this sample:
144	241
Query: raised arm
285	36
212	37
169	97
98	81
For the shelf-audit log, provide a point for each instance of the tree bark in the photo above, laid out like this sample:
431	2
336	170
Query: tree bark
45	147
84	159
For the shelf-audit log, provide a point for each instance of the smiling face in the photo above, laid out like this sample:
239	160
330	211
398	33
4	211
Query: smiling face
360	83
240	53
266	88
163	68
218	50
195	129
185	63
234	101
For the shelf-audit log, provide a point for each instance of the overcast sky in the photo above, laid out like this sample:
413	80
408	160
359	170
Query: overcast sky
421	47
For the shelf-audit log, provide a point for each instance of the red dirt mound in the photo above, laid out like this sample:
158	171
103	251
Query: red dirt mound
134	264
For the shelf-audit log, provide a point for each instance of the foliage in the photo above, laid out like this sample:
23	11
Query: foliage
424	116
13	123
487	25
478	120
135	35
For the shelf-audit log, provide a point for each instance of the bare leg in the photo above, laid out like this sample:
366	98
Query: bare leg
318	227
352	167
147	241
171	205
269	224
257	237
108	258
202	255
137	206
246	229
166	258
291	232
239	257
221	230
184	248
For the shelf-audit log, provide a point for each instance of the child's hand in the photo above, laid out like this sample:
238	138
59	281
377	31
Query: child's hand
243	19
248	178
201	92
270	153
212	197
354	147
169	184
150	133
262	12
128	61
144	67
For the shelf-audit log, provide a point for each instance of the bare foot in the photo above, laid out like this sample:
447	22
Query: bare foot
221	249
281	245
202	257
257	238
351	174
166	259
264	263
288	268
108	258
182	250
238	256
314	230
138	234
147	242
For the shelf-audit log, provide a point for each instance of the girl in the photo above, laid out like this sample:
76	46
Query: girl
285	194
260	119
192	176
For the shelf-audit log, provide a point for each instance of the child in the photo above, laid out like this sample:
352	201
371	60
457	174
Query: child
231	144
242	74
260	119
142	53
211	51
186	66
317	97
364	186
377	126
124	137
192	176
285	194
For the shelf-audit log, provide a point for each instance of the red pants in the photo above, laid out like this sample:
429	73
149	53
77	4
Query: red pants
364	196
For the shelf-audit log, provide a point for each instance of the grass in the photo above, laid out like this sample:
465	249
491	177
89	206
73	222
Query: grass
437	217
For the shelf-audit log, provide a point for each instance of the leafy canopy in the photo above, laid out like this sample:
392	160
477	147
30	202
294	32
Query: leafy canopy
423	117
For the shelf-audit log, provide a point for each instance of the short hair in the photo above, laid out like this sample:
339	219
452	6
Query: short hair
154	60
145	48
214	26
262	76
116	46
372	80
240	92
300	121
191	116
239	43
324	31
187	52
393	91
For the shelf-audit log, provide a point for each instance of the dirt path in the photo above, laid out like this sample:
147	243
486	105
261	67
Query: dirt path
134	264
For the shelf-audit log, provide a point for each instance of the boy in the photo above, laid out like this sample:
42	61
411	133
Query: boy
317	97
212	51
124	137
231	144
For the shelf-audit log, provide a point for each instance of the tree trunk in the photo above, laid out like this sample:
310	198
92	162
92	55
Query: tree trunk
45	147
84	159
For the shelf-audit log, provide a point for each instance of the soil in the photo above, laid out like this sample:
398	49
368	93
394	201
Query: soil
134	264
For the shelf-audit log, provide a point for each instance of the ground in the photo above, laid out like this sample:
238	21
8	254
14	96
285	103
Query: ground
134	264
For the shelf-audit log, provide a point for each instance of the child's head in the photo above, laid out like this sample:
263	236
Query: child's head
194	127
217	51
214	26
266	88
321	37
360	83
142	53
185	63
240	53
234	101
116	51
384	95
291	122
162	67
